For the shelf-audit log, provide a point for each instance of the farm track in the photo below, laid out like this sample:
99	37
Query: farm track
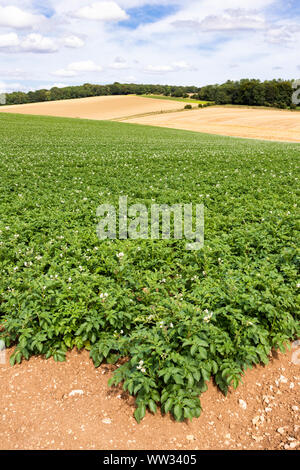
153	113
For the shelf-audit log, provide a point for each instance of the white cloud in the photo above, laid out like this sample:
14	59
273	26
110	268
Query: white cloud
33	42
9	40
37	43
174	67
193	13
13	73
73	42
230	20
65	73
14	17
76	68
11	86
101	11
48	86
259	35
283	34
85	66
119	64
278	36
158	68
233	20
182	65
130	79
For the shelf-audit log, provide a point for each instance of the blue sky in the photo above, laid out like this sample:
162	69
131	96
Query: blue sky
43	7
147	14
52	42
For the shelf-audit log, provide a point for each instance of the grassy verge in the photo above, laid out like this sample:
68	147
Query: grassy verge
173	98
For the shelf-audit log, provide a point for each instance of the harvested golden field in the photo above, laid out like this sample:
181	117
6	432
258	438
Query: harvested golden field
99	108
269	124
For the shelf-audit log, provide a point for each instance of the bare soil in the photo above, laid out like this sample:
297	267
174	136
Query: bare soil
48	405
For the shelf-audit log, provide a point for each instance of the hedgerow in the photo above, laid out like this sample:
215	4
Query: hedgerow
172	318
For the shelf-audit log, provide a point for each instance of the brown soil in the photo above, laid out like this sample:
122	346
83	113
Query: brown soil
48	405
268	124
99	107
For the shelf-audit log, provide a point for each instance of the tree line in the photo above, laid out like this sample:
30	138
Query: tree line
274	93
88	90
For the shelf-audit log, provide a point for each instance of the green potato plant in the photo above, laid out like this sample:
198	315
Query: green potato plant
171	319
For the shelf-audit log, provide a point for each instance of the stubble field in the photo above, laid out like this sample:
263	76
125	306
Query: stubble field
99	107
267	124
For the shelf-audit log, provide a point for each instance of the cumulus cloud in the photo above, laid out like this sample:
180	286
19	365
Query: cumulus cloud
283	34
255	34
65	73
48	86
101	11
73	42
174	67
85	66
158	68
38	43
230	20
14	17
11	86
130	79
35	43
233	20
13	73
182	65
9	40
119	64
76	68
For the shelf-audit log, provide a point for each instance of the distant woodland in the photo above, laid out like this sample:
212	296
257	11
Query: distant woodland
252	92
